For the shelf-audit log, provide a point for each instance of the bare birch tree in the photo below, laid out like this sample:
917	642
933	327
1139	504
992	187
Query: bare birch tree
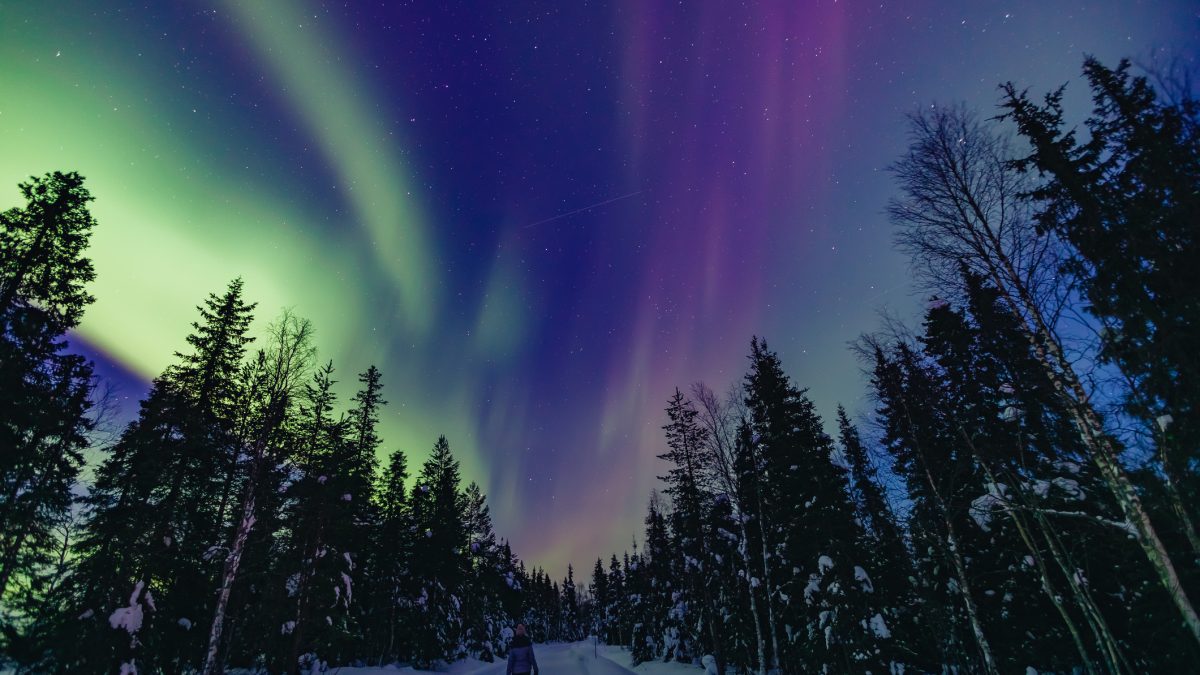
962	205
275	374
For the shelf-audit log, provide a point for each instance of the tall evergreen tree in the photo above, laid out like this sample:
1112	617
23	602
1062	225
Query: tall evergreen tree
813	534
393	558
323	534
45	393
1127	198
439	559
882	541
152	511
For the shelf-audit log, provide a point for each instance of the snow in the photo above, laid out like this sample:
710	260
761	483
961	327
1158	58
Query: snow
1069	467
565	658
982	506
128	669
1040	487
1069	486
824	563
185	623
1164	422
129	618
860	575
813	586
879	627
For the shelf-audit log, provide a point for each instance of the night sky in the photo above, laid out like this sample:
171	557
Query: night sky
535	218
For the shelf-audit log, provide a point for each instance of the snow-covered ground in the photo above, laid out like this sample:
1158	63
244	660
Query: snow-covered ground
554	659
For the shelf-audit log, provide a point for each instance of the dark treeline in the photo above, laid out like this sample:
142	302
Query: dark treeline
1022	495
243	517
1025	497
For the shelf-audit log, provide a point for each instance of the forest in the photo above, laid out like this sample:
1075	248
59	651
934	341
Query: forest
1021	498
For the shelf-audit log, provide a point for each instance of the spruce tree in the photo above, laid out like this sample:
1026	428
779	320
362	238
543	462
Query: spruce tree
882	541
332	522
813	538
439	558
45	392
1126	197
600	589
393	559
152	512
485	578
686	485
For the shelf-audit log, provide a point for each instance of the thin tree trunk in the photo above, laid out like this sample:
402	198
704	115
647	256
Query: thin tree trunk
960	571
1169	475
1176	500
1062	375
1039	560
213	663
960	568
1104	636
758	633
767	584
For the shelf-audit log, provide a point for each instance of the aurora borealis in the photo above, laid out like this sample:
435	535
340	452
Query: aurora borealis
536	219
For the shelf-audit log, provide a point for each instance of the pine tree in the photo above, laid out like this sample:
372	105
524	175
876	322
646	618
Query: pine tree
152	511
819	562
1127	199
882	542
570	622
264	403
618	633
691	465
911	418
600	589
486	577
439	560
45	393
393	561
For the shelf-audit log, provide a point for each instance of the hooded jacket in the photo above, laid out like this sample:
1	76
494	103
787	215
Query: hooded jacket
520	656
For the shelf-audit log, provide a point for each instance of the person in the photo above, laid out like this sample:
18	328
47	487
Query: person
520	654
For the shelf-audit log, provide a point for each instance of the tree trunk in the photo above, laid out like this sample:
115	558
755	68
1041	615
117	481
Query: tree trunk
213	663
960	568
767	584
758	633
1039	560
960	571
1176	500
1064	379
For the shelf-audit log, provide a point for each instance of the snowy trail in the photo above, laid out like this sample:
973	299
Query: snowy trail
556	659
567	659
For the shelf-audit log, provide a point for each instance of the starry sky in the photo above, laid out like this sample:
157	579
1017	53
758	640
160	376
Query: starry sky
536	218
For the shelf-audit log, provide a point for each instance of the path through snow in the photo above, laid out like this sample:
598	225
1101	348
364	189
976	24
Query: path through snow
553	659
564	659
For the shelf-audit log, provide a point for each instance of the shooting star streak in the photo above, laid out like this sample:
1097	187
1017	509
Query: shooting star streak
586	208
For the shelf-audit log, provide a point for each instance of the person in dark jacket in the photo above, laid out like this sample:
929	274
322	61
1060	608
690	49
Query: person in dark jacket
520	654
